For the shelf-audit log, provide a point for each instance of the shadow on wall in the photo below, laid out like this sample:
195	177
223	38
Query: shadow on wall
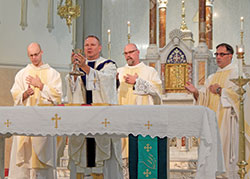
7	76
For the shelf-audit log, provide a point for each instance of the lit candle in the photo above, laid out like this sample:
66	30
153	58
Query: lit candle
241	24
109	36
128	27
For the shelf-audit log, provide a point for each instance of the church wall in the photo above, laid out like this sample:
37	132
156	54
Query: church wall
13	40
116	14
56	45
227	24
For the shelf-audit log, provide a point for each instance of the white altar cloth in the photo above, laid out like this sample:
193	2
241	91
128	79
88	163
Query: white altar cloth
161	121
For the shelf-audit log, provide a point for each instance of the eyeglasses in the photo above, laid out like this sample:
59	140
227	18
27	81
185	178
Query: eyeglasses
221	54
35	54
129	52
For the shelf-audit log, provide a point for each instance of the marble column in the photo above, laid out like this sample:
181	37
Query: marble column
202	20
209	23
152	22
162	22
152	56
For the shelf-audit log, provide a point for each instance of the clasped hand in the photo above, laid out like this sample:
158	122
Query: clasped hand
34	81
130	79
213	88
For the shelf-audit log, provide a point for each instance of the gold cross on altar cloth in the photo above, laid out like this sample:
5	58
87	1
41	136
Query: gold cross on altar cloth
147	173
148	147
148	124
105	122
8	123
56	119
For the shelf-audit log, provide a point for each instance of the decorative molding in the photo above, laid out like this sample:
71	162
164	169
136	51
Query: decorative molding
209	2
176	33
24	8
163	3
50	24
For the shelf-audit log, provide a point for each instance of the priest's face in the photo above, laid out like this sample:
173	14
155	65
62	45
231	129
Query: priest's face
131	54
223	57
35	54
92	48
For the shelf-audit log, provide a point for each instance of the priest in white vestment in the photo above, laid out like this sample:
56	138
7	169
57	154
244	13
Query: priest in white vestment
139	85
219	94
98	85
37	83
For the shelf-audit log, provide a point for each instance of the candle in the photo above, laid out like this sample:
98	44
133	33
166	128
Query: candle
109	36
241	24
128	27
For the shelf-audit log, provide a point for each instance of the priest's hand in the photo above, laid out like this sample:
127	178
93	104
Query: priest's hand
190	87
28	93
36	82
130	79
80	60
214	88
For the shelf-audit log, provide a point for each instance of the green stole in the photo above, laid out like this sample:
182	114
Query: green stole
147	157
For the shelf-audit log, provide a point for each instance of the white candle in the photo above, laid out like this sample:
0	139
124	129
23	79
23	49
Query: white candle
128	27
241	24
109	36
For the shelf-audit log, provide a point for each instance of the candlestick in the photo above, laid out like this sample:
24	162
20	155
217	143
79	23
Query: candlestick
241	24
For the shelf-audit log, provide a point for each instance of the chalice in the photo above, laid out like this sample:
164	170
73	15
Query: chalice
75	71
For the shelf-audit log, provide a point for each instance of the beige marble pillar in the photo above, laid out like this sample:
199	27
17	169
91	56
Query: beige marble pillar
209	24
202	20
152	22
162	22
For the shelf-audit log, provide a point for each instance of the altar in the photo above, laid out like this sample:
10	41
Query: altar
120	121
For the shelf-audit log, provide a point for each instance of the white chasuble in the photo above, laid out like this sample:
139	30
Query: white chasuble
102	82
33	153
226	107
146	91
